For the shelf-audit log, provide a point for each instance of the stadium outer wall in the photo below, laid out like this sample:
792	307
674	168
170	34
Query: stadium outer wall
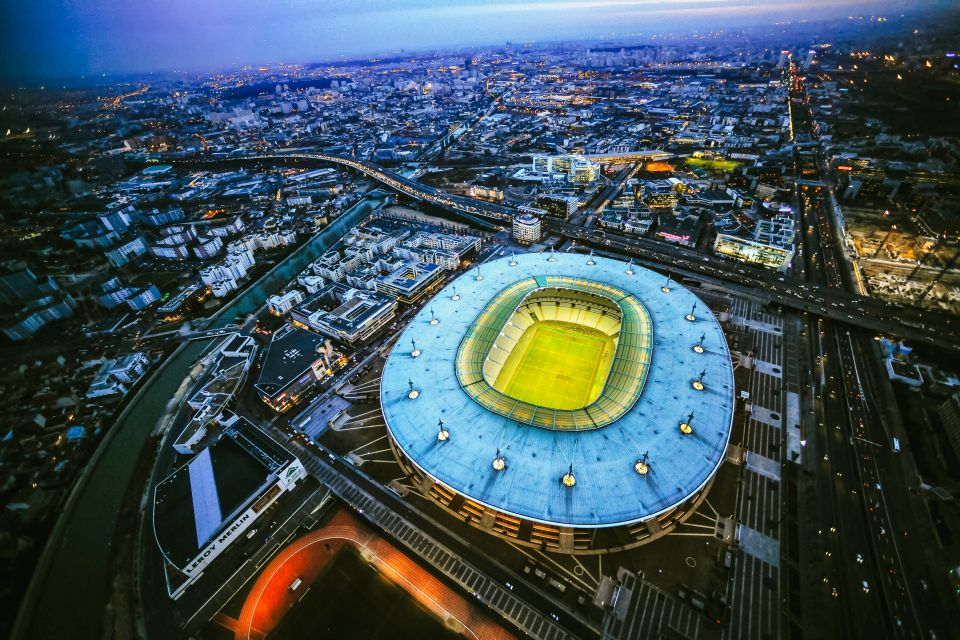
547	537
594	535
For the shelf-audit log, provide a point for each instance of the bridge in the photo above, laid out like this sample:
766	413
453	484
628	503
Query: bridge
469	207
938	329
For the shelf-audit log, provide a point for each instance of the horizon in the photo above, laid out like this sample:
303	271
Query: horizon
63	43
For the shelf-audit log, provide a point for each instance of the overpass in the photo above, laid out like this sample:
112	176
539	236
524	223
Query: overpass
933	328
936	329
630	157
468	207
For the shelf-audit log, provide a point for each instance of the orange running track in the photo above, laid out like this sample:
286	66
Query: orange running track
305	558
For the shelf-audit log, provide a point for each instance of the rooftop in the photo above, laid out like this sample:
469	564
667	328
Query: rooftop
608	489
291	352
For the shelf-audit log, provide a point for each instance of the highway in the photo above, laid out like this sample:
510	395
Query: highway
871	565
837	304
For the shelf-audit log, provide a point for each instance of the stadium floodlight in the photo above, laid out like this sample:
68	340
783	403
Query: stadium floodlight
666	287
643	467
690	315
443	434
686	427
698	383
416	352
568	478
698	348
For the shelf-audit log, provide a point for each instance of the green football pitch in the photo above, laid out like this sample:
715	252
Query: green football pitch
558	365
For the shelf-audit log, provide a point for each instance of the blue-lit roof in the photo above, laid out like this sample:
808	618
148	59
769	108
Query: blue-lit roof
608	489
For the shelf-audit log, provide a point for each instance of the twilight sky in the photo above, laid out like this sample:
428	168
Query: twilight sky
70	38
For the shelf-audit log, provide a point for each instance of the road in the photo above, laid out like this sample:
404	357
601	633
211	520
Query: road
934	328
493	584
871	565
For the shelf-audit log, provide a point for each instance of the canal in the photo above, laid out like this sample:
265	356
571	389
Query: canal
71	585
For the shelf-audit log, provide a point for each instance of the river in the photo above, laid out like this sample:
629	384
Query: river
71	586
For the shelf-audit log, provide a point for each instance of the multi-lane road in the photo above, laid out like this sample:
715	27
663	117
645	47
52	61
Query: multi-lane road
835	303
872	567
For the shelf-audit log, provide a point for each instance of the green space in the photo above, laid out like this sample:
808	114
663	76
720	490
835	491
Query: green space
712	164
558	365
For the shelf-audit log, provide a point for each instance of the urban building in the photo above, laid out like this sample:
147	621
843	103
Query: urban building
345	314
282	304
118	375
411	282
772	244
208	503
526	228
295	362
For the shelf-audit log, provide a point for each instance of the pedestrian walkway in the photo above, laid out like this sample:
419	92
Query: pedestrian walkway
760	546
651	612
494	595
766	416
763	465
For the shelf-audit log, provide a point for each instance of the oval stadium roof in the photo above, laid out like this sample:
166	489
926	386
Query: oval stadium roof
608	489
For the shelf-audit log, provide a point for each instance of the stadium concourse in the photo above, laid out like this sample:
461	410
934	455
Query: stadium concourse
574	403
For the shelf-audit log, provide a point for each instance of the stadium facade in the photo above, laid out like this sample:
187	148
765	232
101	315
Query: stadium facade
573	403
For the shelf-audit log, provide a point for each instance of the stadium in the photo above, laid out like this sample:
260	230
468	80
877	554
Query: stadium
573	403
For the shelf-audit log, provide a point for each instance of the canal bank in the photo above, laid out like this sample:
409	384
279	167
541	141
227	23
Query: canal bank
70	585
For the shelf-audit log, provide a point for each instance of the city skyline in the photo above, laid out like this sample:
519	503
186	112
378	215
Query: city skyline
64	40
515	329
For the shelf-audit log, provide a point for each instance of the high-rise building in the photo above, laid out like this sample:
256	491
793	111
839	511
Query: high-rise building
577	169
526	228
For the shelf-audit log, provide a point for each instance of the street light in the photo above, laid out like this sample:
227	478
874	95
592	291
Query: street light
413	394
686	428
690	317
416	352
590	260
456	296
666	287
433	318
443	434
630	270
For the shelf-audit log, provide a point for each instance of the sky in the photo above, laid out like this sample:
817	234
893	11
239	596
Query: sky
74	38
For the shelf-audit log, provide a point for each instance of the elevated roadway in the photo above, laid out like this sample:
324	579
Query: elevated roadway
933	328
